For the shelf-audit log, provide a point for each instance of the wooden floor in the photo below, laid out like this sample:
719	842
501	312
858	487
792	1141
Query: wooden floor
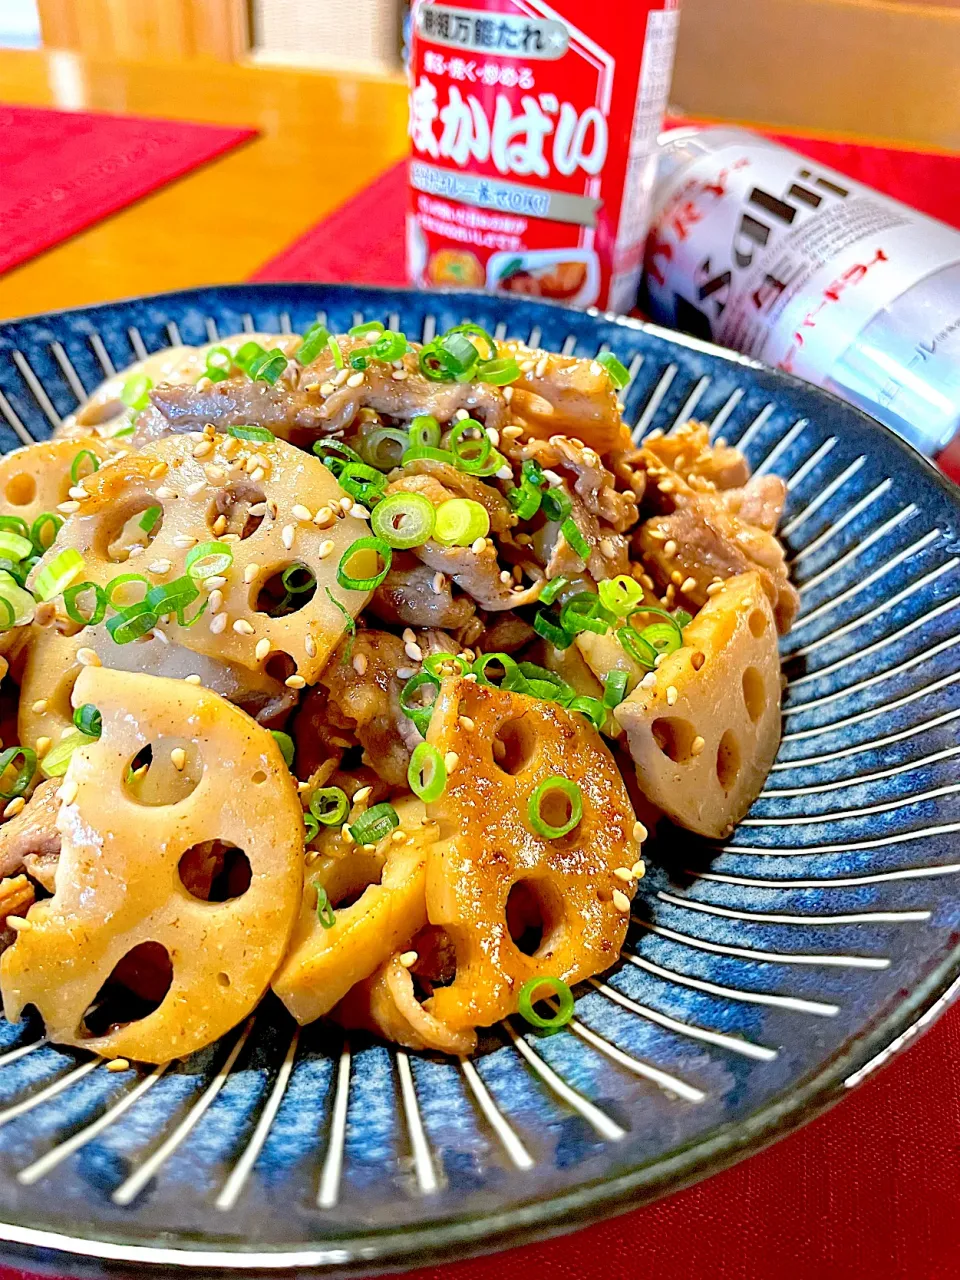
322	138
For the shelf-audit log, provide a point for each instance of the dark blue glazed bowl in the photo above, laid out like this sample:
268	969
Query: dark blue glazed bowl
759	982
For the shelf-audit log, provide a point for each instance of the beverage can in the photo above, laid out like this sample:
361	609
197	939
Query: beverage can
533	142
755	247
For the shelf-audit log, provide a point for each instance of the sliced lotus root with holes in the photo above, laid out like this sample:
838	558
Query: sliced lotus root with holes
203	488
703	750
490	863
119	887
51	667
37	478
386	1004
173	365
383	893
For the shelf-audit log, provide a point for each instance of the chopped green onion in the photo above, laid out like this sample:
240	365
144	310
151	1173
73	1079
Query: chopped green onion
460	521
208	559
298	579
17	605
361	330
565	787
77	463
219	362
635	647
334	348
471	452
390	347
132	623
470	329
57	760
494	463
329	805
559	988
88	720
556	504
25	770
378	451
435	364
618	373
38	530
174	597
259	434
682	618
346	579
135	392
461	357
372	826
56	576
525	500
148	521
614	688
510	669
499	372
532	473
541	683
18	570
363	483
424	431
13	524
662	637
285	743
551	630
419	713
246	354
359	361
416	452
435	664
621	595
584	612
575	538
348	622
592	708
325	912
669	618
427	774
335	465
13	547
404	520
75	614
552	590
310	828
268	367
314	341
123	580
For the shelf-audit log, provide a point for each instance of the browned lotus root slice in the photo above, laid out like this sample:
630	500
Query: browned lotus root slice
703	750
566	395
37	478
51	668
386	1004
323	964
489	861
192	493
176	365
118	881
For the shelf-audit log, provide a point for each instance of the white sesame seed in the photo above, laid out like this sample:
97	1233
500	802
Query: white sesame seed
43	746
327	388
220	524
467	723
158	470
78	491
324	549
359	512
324	518
607	549
40	706
623	873
670	548
639	869
621	902
451	760
649	681
508	394
409	636
399	375
505	473
262	649
295	682
639	832
242	627
404	673
216	601
438	583
202	449
310	645
212	583
88	658
257	475
408	958
688	584
287	535
135	550
512	432
157	634
300	512
178	758
413	651
355	379
191	679
14	807
215	474
68	791
159	566
478	546
184	540
118	1064
541	368
164	493
68	508
506	576
19	924
346	504
671	694
257	509
340	377
697	745
218	623
251	571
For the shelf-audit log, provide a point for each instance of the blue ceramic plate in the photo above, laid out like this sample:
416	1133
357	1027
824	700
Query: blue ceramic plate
759	982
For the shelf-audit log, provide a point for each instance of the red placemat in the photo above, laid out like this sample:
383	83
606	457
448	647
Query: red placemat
60	171
363	241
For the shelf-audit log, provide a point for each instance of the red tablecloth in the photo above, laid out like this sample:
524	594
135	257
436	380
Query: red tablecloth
872	1189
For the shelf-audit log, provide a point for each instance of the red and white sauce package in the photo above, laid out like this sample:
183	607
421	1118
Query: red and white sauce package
533	135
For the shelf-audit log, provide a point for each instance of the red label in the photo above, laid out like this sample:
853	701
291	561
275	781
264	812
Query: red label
533	138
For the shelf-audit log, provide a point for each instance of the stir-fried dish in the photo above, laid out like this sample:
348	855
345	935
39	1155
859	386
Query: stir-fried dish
360	669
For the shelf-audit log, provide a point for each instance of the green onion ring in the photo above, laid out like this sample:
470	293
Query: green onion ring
374	824
404	520
614	688
38	527
524	499
363	483
74	613
560	989
435	662
132	623
364	584
420	714
469	328
618	373
464	447
635	647
375	447
662	637
314	341
258	434
550	628
13	547
539	794
426	773
592	708
556	504
390	347
57	760
584	612
78	461
499	372
56	576
510	668
361	330
330	806
285	743
575	538
208	559
424	431
25	770
621	595
88	720
325	912
552	590
13	524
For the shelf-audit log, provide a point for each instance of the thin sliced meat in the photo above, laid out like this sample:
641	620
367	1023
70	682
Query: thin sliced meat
232	403
592	482
414	595
33	832
439	482
478	574
565	395
759	502
689	453
507	633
